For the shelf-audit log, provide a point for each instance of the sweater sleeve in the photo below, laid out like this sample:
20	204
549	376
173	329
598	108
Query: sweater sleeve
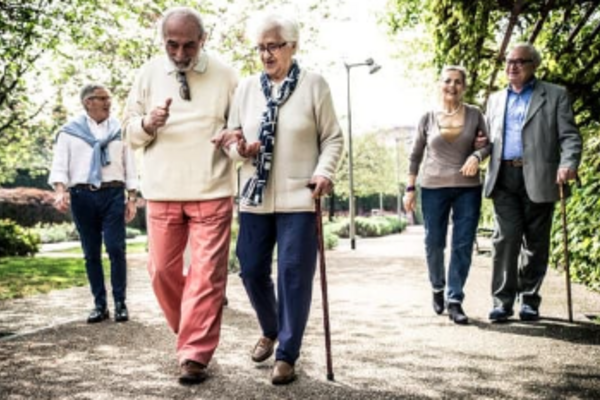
136	109
418	147
329	133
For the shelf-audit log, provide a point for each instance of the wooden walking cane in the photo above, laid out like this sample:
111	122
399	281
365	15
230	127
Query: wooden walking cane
563	209
323	275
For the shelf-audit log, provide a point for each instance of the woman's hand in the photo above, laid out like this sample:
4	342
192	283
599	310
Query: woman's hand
248	150
470	167
410	201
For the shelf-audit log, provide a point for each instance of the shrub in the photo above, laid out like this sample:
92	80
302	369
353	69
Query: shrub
369	226
29	206
17	241
56	233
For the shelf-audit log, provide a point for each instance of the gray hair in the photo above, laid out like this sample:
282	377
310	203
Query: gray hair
184	12
458	68
535	55
286	26
88	90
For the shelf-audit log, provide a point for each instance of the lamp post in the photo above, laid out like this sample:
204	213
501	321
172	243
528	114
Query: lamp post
373	67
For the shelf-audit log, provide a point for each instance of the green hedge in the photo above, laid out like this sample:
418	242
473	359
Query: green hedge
17	241
368	226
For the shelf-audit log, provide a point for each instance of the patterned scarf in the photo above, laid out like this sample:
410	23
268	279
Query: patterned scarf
252	194
79	128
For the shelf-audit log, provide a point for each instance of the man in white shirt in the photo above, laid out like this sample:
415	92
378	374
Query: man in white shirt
92	168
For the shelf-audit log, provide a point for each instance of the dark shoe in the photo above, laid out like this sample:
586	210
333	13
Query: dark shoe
97	315
456	314
192	373
500	314
263	349
438	302
528	313
283	373
121	314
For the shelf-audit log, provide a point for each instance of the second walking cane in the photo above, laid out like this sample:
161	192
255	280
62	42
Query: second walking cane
563	209
322	271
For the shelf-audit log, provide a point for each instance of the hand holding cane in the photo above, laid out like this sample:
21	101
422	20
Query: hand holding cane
563	209
323	275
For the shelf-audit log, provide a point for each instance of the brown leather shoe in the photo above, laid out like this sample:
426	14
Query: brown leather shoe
263	349
192	373
283	373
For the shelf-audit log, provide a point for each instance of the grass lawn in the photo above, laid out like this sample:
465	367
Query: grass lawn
25	276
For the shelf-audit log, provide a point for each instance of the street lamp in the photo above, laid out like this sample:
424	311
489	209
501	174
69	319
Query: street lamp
373	67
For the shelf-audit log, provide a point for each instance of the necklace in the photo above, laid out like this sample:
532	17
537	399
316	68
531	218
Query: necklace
453	112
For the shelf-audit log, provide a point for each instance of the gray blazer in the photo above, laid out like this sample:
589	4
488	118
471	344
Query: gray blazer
550	139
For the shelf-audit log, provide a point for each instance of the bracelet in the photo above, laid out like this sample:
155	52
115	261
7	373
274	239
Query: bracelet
410	188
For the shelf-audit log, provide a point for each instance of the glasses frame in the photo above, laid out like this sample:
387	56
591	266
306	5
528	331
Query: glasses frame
103	99
184	89
270	48
518	62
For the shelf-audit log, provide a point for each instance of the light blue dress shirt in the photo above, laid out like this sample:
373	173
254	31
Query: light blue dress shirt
517	105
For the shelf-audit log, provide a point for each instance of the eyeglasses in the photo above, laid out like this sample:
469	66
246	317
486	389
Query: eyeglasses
184	89
270	48
518	62
103	99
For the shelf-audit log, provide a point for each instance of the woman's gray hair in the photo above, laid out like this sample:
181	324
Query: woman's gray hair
185	12
533	53
88	90
287	27
458	68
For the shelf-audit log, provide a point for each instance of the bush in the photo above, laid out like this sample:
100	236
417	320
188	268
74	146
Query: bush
368	226
29	206
17	241
56	233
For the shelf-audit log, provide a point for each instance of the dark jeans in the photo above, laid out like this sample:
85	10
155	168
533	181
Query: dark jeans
100	214
283	317
521	241
465	204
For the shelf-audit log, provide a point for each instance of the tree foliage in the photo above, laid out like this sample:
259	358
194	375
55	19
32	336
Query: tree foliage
50	48
477	33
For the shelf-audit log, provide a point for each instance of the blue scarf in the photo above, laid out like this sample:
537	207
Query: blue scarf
252	194
79	128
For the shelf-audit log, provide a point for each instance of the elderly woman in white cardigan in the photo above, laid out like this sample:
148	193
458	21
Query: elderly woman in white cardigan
283	126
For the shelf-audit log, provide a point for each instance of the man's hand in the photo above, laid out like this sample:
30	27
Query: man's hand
130	210
564	174
157	118
480	141
62	198
227	137
320	186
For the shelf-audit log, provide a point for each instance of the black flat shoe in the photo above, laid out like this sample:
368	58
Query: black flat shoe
97	315
438	302
456	314
121	314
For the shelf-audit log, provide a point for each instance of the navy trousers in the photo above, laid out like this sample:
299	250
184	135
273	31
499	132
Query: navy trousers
282	316
101	214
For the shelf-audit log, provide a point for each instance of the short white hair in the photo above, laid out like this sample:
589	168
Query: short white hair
286	26
535	55
184	12
458	68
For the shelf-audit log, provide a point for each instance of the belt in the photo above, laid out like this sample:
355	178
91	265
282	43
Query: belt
103	185
517	162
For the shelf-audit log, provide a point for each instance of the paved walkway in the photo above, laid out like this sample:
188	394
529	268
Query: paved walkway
387	342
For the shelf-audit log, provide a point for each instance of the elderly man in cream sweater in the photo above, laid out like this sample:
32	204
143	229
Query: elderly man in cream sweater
177	104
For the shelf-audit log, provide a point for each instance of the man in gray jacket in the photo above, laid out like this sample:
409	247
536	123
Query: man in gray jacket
536	148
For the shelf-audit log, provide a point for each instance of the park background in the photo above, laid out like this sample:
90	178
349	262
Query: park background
50	48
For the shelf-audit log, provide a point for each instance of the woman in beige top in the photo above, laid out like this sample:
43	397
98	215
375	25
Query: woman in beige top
444	153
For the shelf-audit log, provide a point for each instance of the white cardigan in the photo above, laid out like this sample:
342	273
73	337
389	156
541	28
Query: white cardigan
308	141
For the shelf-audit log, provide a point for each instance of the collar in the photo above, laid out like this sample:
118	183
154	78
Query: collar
92	122
526	87
200	65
